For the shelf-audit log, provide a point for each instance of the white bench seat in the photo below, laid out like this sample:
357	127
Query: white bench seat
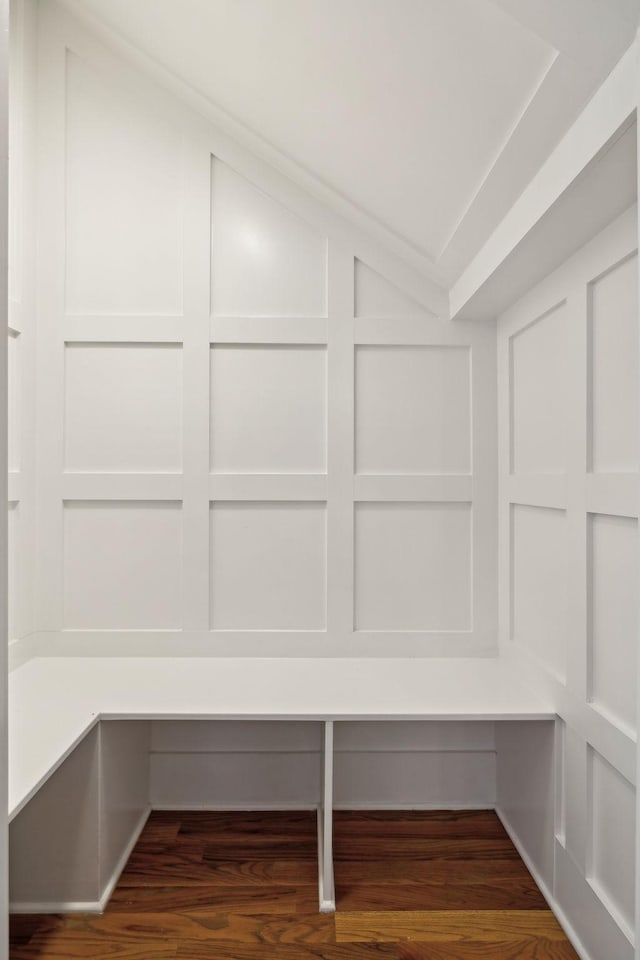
54	702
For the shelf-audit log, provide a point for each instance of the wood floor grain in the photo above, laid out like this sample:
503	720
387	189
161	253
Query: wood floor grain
243	886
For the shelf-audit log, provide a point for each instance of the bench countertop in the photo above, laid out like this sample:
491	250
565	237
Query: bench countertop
54	702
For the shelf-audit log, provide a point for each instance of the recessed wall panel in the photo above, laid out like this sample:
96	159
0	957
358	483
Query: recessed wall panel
268	409
268	566
376	297
13	569
413	410
539	361
123	408
613	615
265	260
123	201
413	566
612	815
13	403
613	318
539	588
122	565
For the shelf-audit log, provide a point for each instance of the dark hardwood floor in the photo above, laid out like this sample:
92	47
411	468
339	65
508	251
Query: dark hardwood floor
242	886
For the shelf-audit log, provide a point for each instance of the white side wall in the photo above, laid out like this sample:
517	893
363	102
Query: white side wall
70	843
568	526
261	417
22	326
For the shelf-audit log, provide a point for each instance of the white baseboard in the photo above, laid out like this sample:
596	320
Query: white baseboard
392	805
558	912
233	807
62	906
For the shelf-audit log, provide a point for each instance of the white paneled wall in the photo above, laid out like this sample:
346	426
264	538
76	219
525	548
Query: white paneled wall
568	451
22	325
256	433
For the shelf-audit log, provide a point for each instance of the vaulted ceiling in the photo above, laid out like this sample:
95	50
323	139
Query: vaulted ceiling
425	117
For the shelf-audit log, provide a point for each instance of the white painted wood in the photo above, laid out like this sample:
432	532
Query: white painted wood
436	778
268	409
235	780
613	616
268	487
525	789
611	840
253	330
597	127
133	581
568	560
412	566
268	566
539	585
220	736
4	245
480	166
251	689
13	402
413	410
60	864
613	329
123	201
327	894
200	764
260	450
124	793
136	428
595	930
437	489
264	260
539	428
375	297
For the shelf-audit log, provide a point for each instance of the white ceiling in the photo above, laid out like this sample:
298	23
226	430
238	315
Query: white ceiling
429	116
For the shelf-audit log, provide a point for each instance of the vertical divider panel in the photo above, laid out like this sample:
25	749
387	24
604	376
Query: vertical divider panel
340	393
327	895
195	507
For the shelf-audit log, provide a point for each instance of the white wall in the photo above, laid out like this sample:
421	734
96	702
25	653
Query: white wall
22	322
256	435
568	516
247	764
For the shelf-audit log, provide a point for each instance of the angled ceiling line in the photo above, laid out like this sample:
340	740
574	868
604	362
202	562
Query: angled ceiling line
258	145
542	80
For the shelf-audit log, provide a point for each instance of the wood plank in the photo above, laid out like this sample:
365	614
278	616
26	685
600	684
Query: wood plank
512	894
265	848
428	871
534	948
253	899
453	824
294	823
196	950
416	848
148	870
432	926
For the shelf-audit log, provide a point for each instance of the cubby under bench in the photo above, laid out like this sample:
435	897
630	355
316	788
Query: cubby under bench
79	744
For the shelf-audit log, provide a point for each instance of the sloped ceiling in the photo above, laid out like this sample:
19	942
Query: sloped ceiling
428	116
